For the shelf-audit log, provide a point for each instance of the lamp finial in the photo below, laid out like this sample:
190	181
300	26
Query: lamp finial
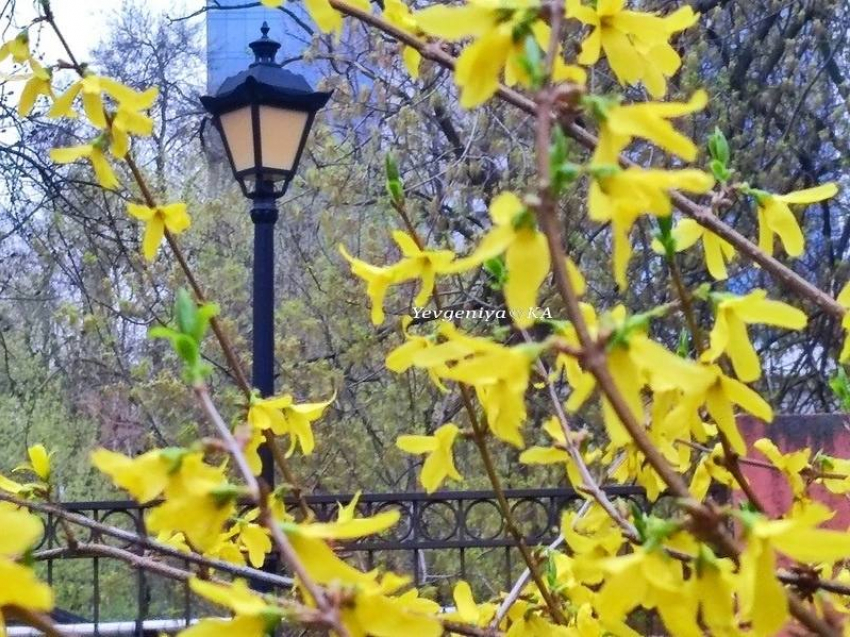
265	49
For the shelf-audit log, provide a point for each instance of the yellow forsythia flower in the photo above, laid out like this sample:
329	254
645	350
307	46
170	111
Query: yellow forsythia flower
500	376
761	595
399	15
557	454
628	465
19	585
719	398
466	610
253	538
237	596
414	264
621	124
633	364
94	153
419	264
129	120
143	477
18	47
252	451
349	529
377	613
646	574
128	117
636	44
717	251
591	538
378	281
242	625
500	30
38	83
284	417
39	463
730	335
172	217
439	464
844	300
199	507
197	498
93	88
526	251
714	585
790	464
710	468
254	617
402	357
322	564
174	540
776	219
622	196
323	14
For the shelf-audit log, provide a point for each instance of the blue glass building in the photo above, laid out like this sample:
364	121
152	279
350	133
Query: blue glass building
230	30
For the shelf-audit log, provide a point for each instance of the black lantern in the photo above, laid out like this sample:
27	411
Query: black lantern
264	115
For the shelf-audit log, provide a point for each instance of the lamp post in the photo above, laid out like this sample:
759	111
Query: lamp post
264	115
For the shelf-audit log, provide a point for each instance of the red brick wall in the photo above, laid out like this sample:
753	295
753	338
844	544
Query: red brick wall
824	432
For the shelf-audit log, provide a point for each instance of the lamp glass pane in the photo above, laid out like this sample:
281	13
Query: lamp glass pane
239	136
281	132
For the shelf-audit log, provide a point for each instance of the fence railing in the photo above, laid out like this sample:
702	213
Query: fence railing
439	539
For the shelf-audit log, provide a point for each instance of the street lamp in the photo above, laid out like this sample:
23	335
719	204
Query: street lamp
264	115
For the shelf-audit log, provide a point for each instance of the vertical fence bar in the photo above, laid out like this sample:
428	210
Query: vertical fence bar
49	532
96	577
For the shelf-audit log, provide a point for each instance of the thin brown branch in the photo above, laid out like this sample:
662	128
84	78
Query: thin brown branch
145	542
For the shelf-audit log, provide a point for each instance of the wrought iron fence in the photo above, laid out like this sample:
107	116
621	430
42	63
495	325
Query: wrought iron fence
439	539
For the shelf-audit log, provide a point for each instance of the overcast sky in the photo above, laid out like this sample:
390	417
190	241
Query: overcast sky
82	20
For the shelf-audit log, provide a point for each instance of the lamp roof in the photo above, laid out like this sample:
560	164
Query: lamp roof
265	82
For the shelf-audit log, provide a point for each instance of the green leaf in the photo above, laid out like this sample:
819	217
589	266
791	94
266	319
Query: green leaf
599	105
718	147
664	234
205	314
718	170
562	171
395	187
840	386
495	267
531	61
186	348
225	493
640	519
173	456
683	347
604	170
551	570
161	331
188	333
185	312
658	530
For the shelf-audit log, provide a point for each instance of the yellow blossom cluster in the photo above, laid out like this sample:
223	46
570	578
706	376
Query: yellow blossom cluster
660	412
